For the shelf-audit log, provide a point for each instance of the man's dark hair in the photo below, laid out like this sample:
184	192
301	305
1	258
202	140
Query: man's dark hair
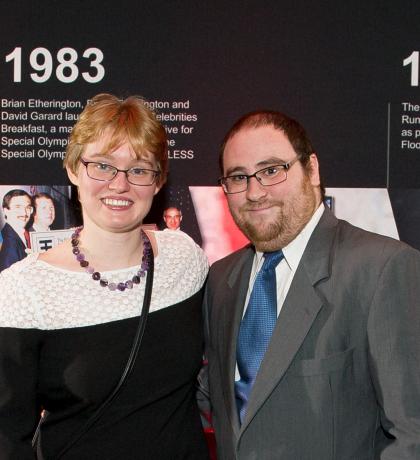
11	194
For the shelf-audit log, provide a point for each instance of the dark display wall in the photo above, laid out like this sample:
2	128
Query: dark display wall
349	71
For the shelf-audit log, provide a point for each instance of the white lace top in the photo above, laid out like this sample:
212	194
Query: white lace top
34	294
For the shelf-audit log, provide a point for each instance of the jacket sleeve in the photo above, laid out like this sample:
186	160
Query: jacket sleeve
394	345
203	391
12	249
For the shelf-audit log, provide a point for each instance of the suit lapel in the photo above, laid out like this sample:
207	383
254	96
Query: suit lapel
234	299
297	315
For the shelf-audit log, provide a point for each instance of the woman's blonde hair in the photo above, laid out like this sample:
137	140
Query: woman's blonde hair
123	120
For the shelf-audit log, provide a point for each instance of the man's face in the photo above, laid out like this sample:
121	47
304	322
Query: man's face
19	212
172	218
45	212
270	216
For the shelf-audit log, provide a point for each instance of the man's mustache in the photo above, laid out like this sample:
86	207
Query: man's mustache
261	205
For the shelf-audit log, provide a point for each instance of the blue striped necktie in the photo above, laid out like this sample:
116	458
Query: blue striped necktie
256	328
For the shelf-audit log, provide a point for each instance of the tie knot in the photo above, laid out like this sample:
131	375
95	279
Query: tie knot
272	259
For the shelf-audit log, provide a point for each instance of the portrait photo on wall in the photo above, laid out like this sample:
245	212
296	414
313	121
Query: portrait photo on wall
173	209
34	218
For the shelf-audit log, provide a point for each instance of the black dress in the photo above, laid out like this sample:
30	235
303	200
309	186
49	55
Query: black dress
70	371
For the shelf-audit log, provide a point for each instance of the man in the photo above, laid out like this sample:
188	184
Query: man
336	374
17	210
44	214
172	217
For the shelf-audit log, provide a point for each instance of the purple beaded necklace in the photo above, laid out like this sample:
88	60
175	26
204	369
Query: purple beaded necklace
122	286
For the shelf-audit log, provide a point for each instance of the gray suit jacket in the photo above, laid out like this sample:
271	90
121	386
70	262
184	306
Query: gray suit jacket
341	377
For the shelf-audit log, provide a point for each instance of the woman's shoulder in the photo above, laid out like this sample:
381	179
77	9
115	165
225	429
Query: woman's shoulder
177	249
181	268
175	241
16	286
18	269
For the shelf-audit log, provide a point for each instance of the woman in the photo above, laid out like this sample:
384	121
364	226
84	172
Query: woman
67	328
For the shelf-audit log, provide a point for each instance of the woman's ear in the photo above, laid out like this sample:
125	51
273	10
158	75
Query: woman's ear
72	176
158	187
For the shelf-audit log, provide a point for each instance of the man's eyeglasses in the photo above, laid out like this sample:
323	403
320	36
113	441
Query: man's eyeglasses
19	207
271	175
105	172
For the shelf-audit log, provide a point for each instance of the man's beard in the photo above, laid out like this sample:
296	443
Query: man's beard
288	218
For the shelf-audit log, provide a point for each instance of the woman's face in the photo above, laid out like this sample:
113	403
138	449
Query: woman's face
116	206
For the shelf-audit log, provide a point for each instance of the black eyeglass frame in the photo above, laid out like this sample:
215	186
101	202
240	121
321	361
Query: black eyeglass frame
125	171
285	166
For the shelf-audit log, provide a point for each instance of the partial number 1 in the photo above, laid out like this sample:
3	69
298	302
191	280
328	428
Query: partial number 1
413	59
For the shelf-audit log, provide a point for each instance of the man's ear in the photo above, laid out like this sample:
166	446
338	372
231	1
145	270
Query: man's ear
72	177
314	170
